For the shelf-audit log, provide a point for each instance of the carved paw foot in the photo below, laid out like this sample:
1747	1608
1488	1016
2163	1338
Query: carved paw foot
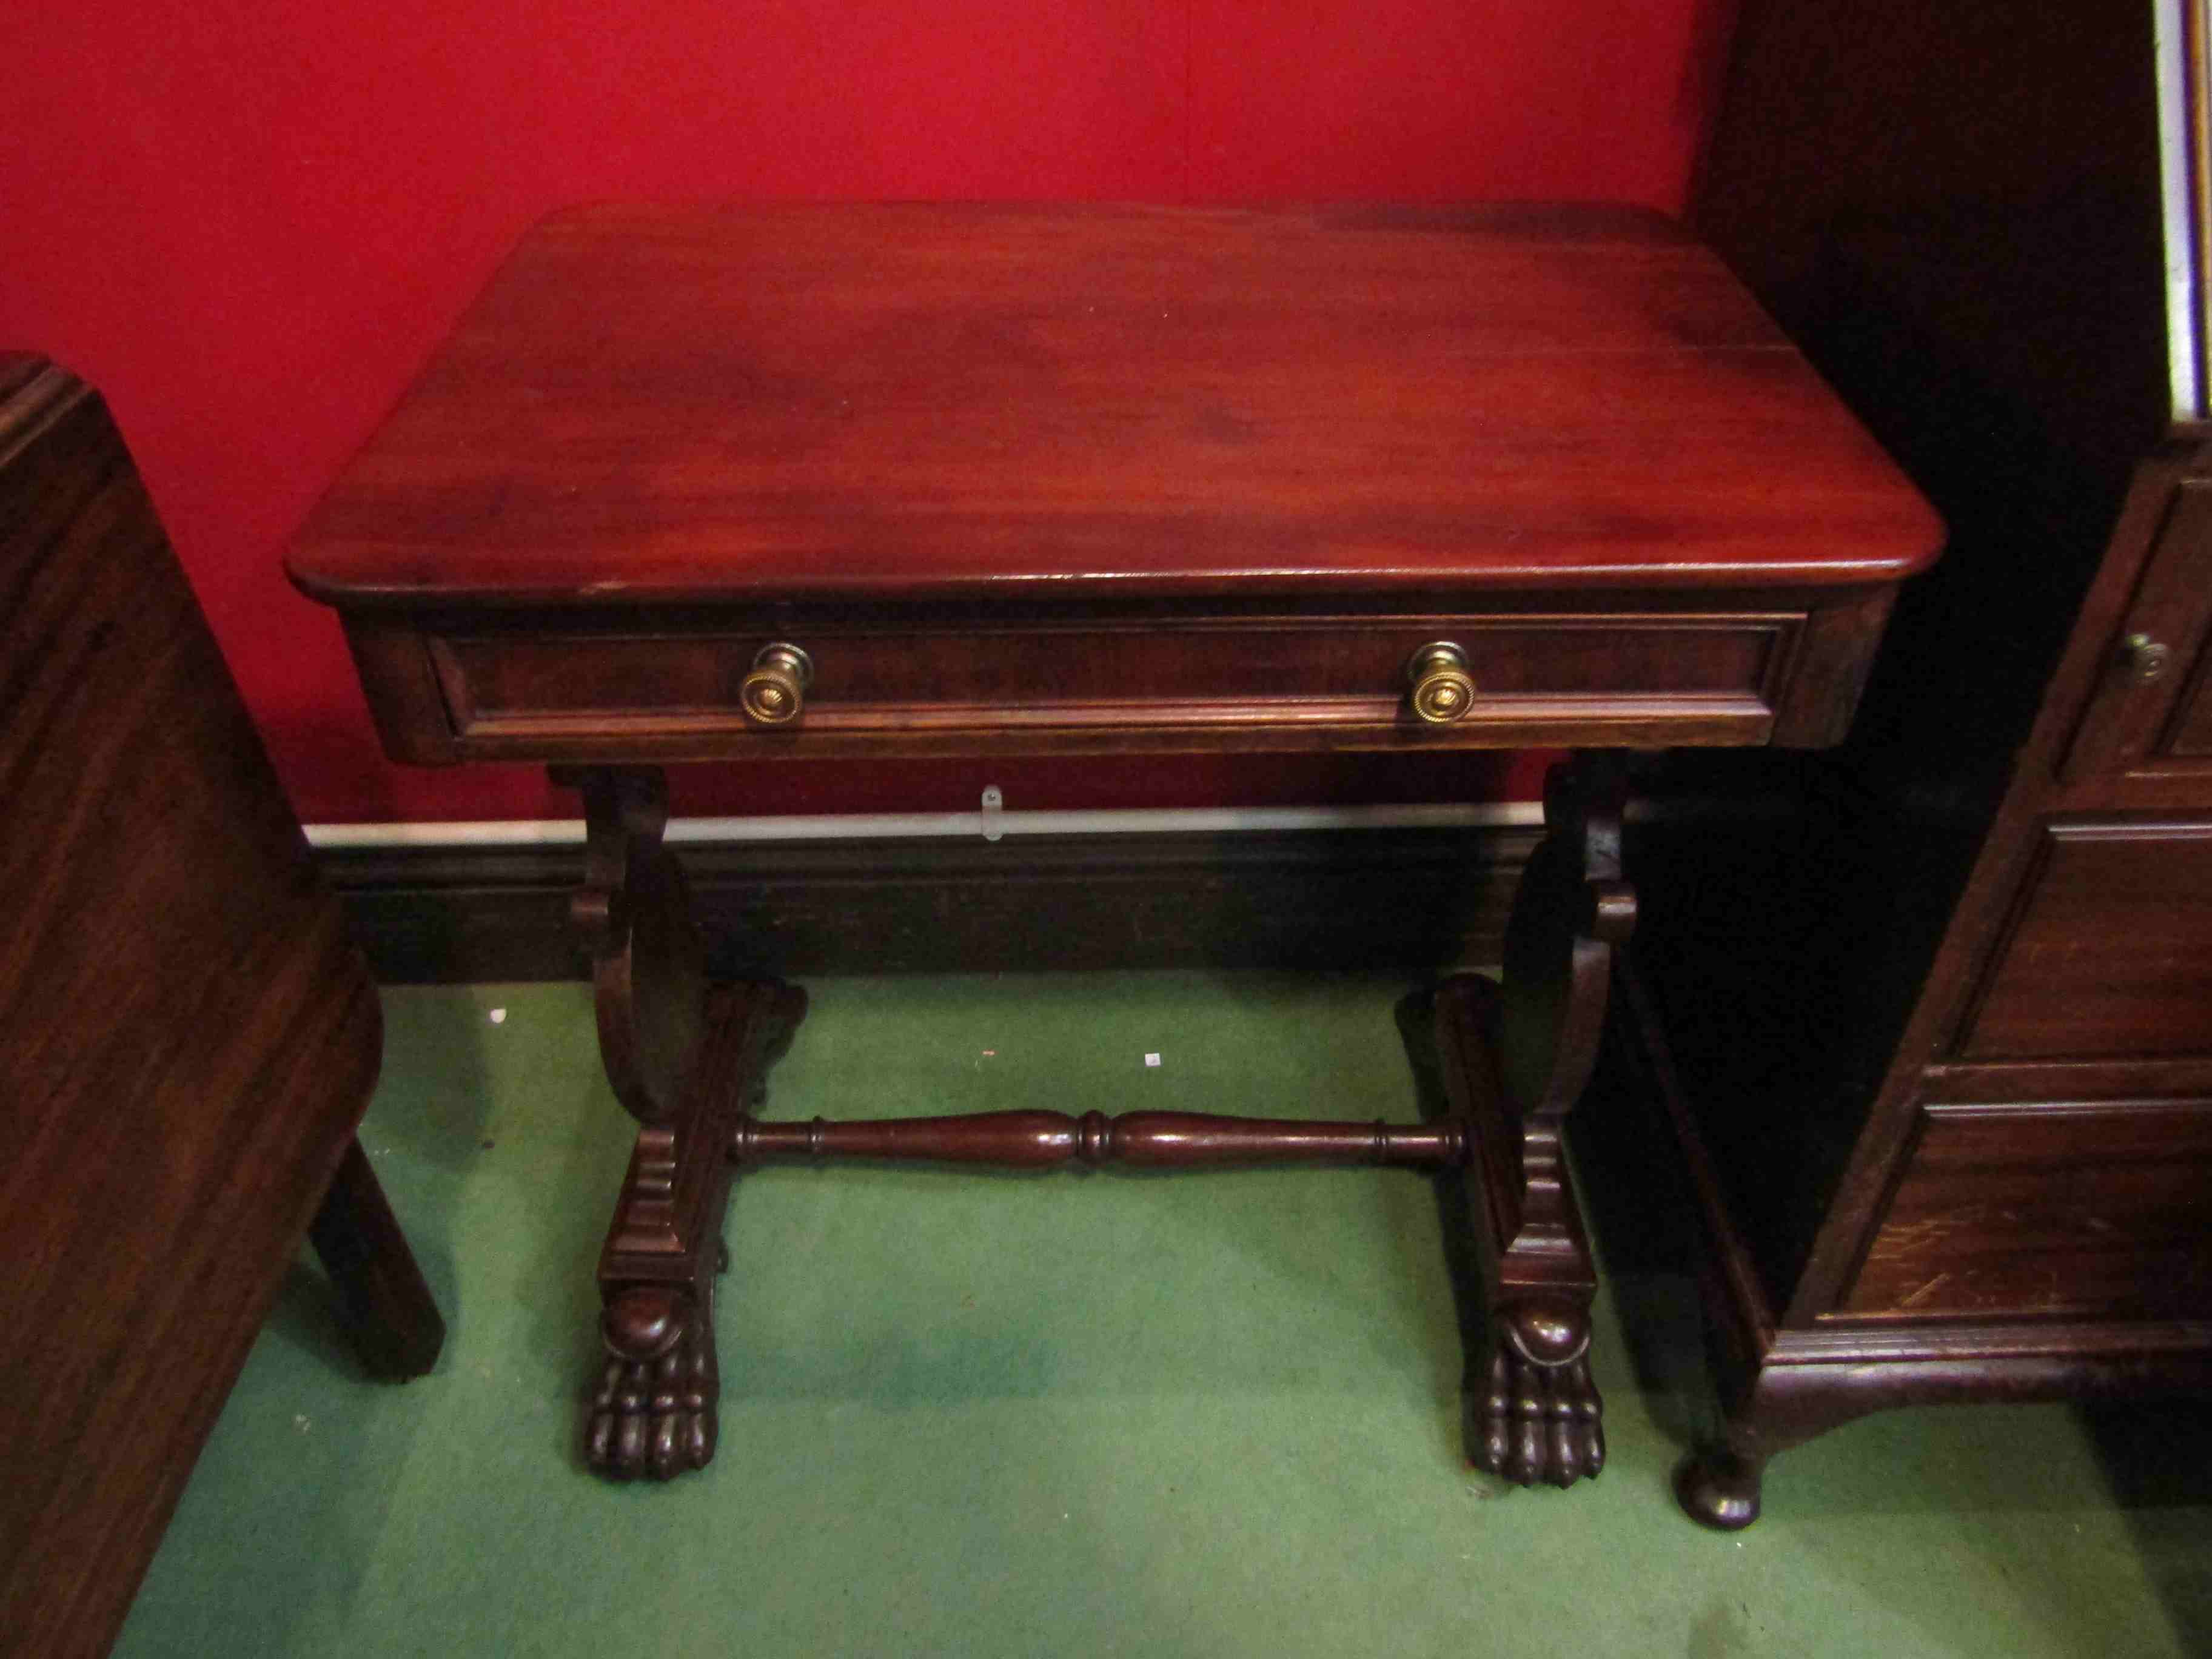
1539	1417
654	1412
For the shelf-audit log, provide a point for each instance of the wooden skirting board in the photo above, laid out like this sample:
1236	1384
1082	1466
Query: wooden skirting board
1423	900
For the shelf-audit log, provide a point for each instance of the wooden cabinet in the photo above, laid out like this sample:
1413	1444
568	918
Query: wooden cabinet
190	1038
2092	1209
2148	719
2107	952
2053	1087
1960	1147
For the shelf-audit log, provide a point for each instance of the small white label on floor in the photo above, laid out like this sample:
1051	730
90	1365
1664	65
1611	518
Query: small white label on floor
1151	1059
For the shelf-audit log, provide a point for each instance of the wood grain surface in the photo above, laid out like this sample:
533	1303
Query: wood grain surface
2109	952
1957	1149
189	1036
2098	1210
697	403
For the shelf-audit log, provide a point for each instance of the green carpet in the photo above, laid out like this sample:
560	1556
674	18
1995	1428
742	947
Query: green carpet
1077	1413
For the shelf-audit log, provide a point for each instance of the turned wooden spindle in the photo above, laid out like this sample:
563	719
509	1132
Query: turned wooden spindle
1158	1141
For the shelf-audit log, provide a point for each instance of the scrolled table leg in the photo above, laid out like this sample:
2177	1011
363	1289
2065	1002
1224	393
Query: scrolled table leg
689	1062
648	957
1516	1057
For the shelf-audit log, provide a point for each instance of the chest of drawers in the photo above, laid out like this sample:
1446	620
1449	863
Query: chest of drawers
1979	1167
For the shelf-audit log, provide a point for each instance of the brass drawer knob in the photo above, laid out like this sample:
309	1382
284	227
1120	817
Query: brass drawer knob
2146	658
1443	688
775	693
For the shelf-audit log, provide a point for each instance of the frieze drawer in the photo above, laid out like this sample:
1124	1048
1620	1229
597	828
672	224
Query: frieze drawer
1534	680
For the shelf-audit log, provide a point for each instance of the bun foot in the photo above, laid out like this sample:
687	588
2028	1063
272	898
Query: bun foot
1540	1419
1718	1489
654	1412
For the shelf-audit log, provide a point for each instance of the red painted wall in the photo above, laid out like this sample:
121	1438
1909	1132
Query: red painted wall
247	221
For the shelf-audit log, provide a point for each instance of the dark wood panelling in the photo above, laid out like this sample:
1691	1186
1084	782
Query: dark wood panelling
1414	899
2111	951
189	1037
2099	1211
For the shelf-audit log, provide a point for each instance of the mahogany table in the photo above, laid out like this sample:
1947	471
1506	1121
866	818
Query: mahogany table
697	484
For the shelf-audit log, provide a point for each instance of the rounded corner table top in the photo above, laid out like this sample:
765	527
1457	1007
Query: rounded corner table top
919	401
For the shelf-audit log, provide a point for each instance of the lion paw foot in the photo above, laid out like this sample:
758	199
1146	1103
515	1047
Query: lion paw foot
653	1413
1539	1417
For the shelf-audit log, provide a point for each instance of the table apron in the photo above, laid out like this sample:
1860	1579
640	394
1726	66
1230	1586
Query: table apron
615	686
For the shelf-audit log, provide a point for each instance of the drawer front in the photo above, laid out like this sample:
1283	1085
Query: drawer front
2080	1211
2150	713
2108	952
1176	682
2189	736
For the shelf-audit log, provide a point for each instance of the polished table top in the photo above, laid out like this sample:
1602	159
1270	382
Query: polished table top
1077	478
856	401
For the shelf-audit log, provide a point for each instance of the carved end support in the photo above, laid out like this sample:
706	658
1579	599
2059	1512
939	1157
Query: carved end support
648	959
652	1410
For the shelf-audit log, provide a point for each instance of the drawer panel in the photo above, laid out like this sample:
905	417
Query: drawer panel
2190	736
2087	1211
2161	725
1635	678
2109	950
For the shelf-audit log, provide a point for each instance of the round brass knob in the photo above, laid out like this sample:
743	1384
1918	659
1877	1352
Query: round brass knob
1443	688
775	693
2147	659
